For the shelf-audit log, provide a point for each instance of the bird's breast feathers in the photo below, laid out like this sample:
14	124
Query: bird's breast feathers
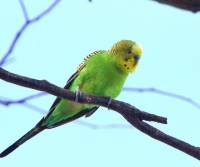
100	77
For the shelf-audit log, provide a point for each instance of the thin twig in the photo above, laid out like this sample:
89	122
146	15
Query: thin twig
107	126
164	93
8	102
45	12
24	102
133	115
24	10
22	29
34	108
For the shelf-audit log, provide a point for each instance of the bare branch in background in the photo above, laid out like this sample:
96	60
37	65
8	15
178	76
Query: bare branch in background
164	93
26	24
22	100
107	126
24	10
190	5
34	108
133	115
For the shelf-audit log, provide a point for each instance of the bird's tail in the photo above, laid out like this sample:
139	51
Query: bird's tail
37	129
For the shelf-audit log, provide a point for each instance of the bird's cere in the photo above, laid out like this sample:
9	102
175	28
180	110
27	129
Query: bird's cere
137	49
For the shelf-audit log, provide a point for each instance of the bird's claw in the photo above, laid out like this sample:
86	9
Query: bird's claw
109	102
78	95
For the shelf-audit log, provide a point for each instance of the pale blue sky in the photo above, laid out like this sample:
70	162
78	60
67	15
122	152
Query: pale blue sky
53	47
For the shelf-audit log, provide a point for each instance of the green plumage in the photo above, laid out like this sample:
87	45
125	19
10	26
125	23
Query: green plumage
99	77
102	73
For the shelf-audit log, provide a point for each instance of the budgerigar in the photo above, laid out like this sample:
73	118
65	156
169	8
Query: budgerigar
102	73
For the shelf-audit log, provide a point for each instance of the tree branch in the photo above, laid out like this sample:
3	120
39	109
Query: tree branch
190	5
7	102
43	85
159	135
133	115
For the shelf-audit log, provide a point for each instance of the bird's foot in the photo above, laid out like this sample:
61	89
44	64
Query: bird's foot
109	102
78	95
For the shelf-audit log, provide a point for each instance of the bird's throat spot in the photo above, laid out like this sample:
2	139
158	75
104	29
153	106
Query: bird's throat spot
127	67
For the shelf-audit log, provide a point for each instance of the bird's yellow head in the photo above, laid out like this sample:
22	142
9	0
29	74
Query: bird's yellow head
127	54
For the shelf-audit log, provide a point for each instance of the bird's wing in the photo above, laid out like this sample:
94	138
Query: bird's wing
86	112
73	77
68	84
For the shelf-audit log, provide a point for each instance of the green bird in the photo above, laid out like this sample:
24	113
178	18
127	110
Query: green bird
102	73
